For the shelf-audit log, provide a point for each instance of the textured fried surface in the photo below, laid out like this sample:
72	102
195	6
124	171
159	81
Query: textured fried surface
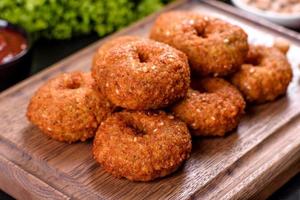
141	145
213	47
68	107
265	75
142	74
212	109
110	44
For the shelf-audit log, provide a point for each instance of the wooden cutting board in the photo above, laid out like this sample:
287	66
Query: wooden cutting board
252	162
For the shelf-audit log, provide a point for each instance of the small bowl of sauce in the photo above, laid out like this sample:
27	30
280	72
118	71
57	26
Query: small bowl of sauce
282	12
15	59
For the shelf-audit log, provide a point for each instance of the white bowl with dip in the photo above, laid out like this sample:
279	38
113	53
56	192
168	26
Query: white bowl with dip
291	20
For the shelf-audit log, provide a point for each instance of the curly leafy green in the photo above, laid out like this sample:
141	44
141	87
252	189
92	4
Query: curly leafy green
62	19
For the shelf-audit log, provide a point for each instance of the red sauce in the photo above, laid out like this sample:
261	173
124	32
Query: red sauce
12	43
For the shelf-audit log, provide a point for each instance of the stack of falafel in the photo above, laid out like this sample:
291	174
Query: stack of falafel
146	97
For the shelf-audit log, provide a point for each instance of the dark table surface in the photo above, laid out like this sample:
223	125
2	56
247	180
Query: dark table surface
46	53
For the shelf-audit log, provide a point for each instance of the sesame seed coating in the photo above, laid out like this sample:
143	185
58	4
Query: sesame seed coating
141	145
265	75
213	47
142	74
212	108
68	107
110	44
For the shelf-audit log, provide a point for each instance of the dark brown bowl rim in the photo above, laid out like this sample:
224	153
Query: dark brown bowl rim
6	24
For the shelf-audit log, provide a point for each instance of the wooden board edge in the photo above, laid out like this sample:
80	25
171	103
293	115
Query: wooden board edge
87	49
270	177
279	181
42	171
278	178
281	30
23	185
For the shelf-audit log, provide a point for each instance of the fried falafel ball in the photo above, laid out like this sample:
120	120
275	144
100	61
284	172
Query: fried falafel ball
141	145
68	107
142	74
265	75
212	108
213	47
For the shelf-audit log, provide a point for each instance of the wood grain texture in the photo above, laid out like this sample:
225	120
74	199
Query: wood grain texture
250	163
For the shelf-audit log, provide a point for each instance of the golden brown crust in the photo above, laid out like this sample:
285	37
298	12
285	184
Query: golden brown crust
142	74
213	109
110	44
265	75
213	47
68	108
141	146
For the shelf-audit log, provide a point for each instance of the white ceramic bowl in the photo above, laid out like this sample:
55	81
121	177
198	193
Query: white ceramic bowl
289	20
